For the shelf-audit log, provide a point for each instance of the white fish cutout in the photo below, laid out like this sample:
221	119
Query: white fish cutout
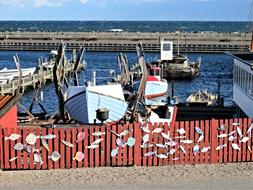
201	137
244	139
221	146
19	146
157	130
146	145
249	149
182	149
196	149
79	156
186	141
120	142
239	131
231	133
181	131
161	146
222	128
171	143
12	159
249	131
92	146
231	138
235	146
180	137
222	135
114	152
175	159
97	141
67	143
30	149
98	134
235	124
145	138
150	153
198	130
125	132
80	136
172	151
37	159
205	149
166	136
161	156
44	143
130	142
12	137
31	139
55	156
48	137
145	129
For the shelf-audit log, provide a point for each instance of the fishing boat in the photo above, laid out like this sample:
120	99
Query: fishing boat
176	66
202	97
15	72
48	63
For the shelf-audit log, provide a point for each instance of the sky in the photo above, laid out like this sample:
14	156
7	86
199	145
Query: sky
164	10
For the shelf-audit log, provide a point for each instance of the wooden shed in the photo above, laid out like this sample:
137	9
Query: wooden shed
8	111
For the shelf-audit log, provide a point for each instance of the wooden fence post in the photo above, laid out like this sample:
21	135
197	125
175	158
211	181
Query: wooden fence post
137	148
213	141
1	147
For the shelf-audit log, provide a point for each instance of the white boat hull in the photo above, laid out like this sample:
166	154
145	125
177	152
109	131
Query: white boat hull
15	72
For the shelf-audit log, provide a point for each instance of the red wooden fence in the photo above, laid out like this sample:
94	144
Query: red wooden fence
179	149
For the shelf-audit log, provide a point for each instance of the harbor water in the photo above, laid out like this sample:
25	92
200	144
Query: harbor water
214	68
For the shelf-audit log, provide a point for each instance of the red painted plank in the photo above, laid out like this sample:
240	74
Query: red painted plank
30	156
56	142
249	143
166	129
235	155
6	149
1	148
130	149
207	142
91	151
62	147
125	155
85	150
45	153
103	146
119	129
214	141
25	154
195	140
113	145
172	135
221	142
151	141
244	145
226	141
50	146
191	137
137	148
186	146
144	159
38	147
230	149
73	149
155	141
97	150
12	150
175	156
201	143
80	147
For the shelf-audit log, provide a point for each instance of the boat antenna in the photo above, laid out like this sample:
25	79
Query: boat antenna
177	32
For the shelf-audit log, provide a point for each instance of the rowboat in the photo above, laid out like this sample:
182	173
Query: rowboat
202	97
15	72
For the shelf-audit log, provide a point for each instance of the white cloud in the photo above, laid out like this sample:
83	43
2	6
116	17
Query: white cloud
84	1
48	3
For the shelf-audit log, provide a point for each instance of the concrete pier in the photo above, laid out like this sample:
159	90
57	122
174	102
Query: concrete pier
125	41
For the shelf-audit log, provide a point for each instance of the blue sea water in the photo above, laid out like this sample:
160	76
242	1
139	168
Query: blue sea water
214	68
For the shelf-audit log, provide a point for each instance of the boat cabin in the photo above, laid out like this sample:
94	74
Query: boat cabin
243	82
154	74
166	50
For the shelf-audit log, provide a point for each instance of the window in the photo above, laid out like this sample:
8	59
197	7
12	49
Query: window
166	47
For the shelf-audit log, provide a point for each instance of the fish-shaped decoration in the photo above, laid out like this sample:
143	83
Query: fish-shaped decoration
146	145
98	134
92	146
37	159
221	146
249	131
239	131
182	149
161	156
231	133
12	137
222	128
30	149
231	138
55	156
198	130
12	159
235	146
97	141
179	137
145	138
166	136
114	152
205	149
80	136
249	148
48	137
44	143
201	137
125	132
149	153
67	143
222	135
130	142
172	151
161	146
79	156
19	146
181	131
196	149
145	129
157	130
171	143
175	159
235	124
120	142
244	139
186	141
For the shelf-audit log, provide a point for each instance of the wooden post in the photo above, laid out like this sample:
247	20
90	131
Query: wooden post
213	141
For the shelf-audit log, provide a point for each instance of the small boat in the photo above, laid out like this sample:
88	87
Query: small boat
202	97
176	66
15	72
49	62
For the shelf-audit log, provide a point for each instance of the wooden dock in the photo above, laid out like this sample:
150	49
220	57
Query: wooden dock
125	41
31	81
